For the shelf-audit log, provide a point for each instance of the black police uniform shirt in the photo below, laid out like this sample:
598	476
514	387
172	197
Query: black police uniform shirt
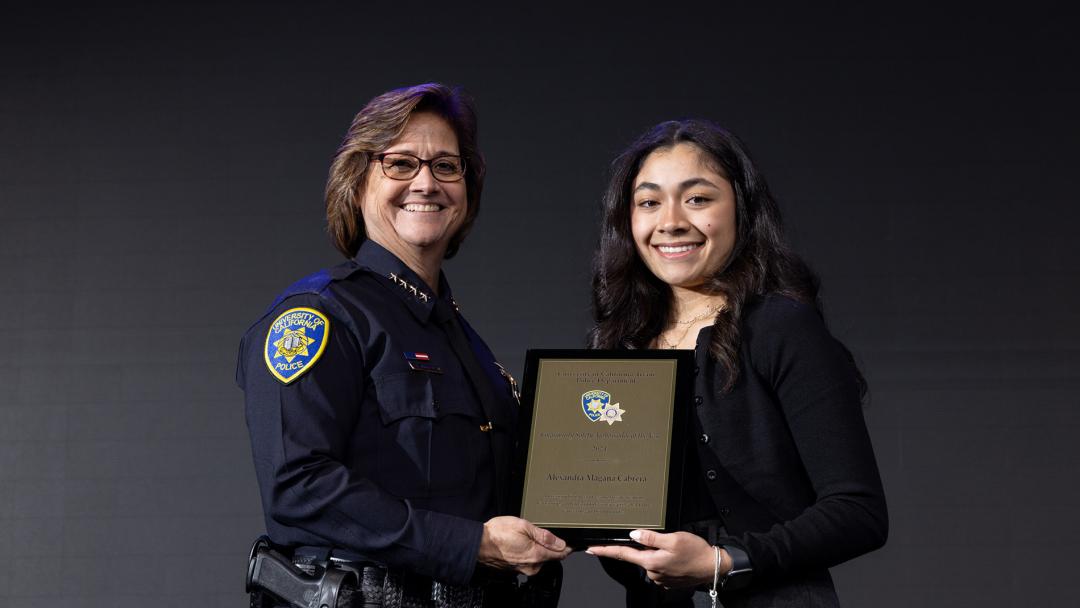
369	435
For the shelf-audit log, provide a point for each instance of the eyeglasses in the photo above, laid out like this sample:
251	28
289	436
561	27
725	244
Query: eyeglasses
401	166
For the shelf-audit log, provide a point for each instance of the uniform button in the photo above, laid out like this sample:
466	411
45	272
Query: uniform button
710	475
698	400
697	370
704	438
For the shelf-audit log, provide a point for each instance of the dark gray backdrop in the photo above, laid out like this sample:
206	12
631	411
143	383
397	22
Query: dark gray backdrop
160	180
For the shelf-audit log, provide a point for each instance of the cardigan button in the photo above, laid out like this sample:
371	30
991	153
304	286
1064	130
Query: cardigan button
710	475
698	400
697	370
704	438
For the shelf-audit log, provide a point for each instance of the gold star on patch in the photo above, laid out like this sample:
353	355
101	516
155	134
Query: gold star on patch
292	344
596	405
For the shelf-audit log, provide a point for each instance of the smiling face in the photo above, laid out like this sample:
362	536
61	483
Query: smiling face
682	216
415	219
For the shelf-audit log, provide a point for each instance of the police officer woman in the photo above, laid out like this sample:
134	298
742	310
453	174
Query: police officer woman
782	482
381	425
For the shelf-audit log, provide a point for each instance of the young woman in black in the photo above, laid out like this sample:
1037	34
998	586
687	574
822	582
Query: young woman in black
783	483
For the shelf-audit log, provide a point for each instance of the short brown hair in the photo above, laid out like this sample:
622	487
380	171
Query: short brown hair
373	129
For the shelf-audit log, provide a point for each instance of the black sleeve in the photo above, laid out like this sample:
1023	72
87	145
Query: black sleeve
814	381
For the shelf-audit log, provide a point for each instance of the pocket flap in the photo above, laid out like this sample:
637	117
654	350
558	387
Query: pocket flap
405	394
415	393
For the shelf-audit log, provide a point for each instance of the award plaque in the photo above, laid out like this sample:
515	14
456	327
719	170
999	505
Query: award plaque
602	441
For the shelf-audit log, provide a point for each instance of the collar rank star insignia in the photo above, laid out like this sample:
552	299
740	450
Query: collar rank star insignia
409	287
296	340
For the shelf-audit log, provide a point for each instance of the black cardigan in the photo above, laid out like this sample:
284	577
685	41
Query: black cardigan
786	456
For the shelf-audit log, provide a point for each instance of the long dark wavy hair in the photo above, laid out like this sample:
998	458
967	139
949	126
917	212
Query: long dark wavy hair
631	306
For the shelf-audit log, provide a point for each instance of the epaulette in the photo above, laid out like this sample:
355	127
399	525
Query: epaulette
298	336
313	283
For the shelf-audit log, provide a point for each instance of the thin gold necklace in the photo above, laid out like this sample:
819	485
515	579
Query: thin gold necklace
689	324
712	310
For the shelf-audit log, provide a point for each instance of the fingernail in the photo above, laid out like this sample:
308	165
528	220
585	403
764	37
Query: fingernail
636	534
589	551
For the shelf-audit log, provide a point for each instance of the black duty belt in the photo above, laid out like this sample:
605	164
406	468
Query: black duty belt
276	581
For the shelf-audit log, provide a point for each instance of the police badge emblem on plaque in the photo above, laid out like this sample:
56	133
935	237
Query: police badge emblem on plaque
597	406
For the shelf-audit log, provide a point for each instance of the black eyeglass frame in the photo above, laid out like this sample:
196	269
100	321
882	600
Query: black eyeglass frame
379	157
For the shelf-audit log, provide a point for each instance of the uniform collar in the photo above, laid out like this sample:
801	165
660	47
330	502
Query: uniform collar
405	283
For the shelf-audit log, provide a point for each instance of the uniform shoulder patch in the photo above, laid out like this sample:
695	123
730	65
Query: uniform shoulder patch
295	341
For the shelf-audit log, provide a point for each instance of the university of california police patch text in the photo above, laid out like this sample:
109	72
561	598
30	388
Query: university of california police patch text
295	341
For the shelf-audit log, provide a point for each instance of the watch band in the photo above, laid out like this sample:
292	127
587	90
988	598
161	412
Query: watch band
741	569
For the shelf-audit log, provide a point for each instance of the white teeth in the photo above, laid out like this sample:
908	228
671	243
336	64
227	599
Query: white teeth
679	249
421	207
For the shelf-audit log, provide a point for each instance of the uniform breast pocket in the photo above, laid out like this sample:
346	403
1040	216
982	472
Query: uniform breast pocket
427	444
